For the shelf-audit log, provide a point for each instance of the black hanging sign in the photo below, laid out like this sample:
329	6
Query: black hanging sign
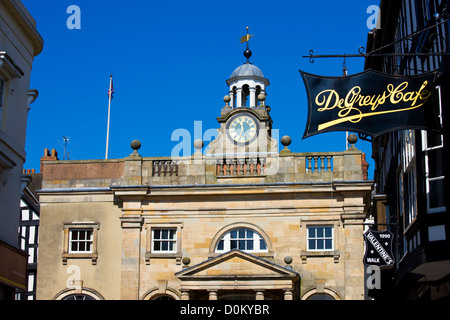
370	103
378	248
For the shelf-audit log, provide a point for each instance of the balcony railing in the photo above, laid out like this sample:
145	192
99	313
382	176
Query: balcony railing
240	167
164	168
319	163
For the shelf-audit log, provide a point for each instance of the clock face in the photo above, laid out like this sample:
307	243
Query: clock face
242	128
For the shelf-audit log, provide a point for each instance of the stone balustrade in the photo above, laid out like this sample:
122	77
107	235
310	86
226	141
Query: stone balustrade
200	169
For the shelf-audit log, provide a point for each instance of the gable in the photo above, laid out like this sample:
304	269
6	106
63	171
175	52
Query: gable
236	263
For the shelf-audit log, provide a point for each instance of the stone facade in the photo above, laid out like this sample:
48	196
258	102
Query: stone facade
167	227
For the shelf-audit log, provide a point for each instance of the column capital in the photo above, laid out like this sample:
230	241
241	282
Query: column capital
259	294
184	294
212	294
288	295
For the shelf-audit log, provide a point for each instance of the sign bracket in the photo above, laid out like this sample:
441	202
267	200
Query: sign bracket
375	53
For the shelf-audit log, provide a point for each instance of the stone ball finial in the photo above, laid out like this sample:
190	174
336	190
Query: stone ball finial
261	97
352	138
288	260
186	260
286	141
227	100
198	144
135	145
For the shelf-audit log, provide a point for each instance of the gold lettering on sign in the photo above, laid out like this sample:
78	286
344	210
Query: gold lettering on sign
353	106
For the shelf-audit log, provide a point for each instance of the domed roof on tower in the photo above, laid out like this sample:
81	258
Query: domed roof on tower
246	70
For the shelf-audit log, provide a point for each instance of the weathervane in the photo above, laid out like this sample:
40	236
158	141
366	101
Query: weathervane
247	52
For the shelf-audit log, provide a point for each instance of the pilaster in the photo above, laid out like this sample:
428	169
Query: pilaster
131	239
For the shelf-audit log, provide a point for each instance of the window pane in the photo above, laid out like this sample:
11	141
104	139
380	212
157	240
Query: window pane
435	166
311	232
434	139
249	244
320	245
241	244
262	244
249	234
233	234
436	196
319	232
173	234
220	245
157	246
74	235
241	233
81	246
164	245
328	244
73	246
156	234
312	244
328	232
164	234
233	244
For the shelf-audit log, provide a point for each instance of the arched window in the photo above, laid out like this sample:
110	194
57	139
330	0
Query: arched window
244	239
233	97
78	297
320	296
258	91
245	94
164	297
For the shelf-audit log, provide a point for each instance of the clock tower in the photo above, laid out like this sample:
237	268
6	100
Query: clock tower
245	137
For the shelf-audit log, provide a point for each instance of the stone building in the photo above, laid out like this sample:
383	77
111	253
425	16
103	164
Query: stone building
240	220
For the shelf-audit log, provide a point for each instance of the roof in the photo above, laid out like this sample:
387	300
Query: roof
247	69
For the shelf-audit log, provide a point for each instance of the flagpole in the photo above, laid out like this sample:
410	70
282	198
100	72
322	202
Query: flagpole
109	112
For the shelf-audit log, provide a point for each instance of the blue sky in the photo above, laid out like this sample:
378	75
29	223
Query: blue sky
170	60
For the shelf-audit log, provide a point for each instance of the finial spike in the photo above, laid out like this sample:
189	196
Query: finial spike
247	52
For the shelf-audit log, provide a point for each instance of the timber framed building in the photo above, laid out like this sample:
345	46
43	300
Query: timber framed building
411	166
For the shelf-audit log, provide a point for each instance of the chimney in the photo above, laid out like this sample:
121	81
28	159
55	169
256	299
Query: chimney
49	156
364	167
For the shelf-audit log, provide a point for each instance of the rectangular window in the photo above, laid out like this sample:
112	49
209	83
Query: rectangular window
320	238
164	240
433	147
81	240
410	195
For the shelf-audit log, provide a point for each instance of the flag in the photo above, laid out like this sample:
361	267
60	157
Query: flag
246	38
111	90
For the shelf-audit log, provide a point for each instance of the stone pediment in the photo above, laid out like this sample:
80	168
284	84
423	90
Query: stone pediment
236	264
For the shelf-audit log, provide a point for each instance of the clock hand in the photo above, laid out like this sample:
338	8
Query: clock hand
240	135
